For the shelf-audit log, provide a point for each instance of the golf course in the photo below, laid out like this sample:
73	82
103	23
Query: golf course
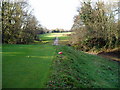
39	65
27	66
60	44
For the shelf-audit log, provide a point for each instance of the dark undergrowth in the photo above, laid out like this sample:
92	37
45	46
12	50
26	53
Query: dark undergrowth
75	69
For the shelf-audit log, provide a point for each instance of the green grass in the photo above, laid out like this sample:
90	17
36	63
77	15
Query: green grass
0	66
32	66
49	37
26	66
78	69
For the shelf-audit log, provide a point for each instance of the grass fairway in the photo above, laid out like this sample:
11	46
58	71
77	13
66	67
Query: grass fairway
49	37
26	66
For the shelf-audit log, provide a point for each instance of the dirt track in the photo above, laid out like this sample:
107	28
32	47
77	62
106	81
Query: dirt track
114	55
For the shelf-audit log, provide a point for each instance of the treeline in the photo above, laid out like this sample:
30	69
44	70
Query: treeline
57	30
19	25
96	26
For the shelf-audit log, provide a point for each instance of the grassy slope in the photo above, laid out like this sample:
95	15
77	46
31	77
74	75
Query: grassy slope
26	66
78	69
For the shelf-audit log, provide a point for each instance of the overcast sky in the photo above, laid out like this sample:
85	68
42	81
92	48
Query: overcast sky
56	13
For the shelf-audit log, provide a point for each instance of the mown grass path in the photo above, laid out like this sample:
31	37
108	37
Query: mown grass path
26	66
